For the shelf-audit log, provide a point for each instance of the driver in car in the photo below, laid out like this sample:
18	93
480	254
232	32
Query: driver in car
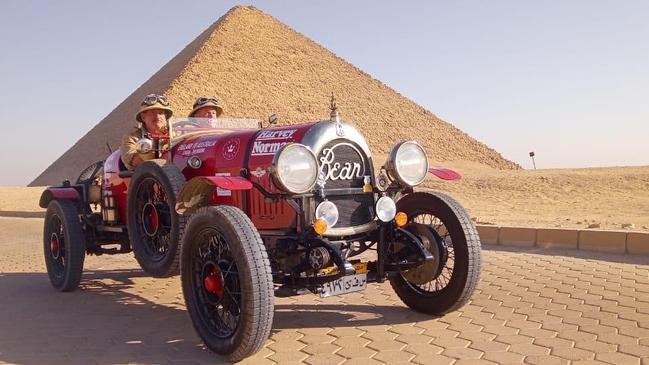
151	118
206	107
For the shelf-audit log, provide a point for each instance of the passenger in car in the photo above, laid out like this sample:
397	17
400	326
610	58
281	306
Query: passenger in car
206	107
151	118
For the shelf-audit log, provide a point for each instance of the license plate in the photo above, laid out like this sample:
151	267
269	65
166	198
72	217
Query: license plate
344	285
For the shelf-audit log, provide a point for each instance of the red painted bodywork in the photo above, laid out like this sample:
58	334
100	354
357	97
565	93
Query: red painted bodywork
225	153
230	182
444	173
57	193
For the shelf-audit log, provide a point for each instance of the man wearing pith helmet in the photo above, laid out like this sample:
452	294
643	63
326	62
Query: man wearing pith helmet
152	117
206	107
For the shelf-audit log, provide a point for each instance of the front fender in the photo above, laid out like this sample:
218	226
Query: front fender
444	174
197	191
55	193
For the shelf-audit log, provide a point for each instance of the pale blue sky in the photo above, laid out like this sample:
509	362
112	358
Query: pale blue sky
566	79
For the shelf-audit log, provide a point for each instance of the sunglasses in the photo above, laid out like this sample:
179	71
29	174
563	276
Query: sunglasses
152	99
204	100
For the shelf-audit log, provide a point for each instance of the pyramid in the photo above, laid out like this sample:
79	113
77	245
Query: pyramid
259	66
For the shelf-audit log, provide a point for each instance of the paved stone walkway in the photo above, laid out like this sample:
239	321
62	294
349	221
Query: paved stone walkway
535	307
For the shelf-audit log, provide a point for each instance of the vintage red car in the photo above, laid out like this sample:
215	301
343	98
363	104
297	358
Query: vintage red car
245	213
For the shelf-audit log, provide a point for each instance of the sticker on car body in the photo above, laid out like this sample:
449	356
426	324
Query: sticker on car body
231	149
221	191
267	143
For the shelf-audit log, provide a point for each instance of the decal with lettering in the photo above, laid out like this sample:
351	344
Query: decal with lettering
266	148
276	134
269	142
194	148
335	170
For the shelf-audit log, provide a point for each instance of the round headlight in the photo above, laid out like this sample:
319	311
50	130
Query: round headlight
408	163
386	209
295	168
327	211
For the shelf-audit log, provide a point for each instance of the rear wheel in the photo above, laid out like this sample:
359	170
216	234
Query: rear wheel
64	245
227	281
154	227
447	231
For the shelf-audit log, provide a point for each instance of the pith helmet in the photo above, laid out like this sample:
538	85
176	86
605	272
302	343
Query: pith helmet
205	101
154	101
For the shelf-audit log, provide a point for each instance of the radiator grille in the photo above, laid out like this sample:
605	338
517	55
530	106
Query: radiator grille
353	210
345	166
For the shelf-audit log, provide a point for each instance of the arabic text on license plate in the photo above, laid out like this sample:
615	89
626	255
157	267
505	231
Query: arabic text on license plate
346	284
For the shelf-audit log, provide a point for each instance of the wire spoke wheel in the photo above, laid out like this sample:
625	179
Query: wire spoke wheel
154	227
227	281
154	221
447	231
216	280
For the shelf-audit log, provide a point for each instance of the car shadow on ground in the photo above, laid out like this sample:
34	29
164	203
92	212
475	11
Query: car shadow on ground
104	322
296	316
107	321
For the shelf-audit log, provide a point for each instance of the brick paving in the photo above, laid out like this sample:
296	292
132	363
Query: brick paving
532	306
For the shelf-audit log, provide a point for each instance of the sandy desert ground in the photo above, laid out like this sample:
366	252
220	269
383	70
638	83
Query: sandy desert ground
611	198
606	198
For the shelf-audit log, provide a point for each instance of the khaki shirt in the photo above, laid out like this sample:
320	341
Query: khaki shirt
129	148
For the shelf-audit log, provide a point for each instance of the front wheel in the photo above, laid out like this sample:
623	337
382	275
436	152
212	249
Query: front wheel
227	281
447	231
64	245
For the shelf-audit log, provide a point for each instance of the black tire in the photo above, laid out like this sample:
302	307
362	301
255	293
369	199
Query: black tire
154	228
453	286
221	242
64	245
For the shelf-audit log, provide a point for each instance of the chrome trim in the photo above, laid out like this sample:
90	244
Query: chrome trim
345	191
348	231
195	162
317	137
321	133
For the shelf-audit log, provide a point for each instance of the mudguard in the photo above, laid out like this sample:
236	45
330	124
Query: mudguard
444	173
55	193
197	191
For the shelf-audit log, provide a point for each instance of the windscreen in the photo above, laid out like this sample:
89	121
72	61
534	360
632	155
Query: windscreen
182	127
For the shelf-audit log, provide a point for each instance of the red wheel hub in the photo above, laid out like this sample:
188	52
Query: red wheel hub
54	244
213	282
155	220
150	219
